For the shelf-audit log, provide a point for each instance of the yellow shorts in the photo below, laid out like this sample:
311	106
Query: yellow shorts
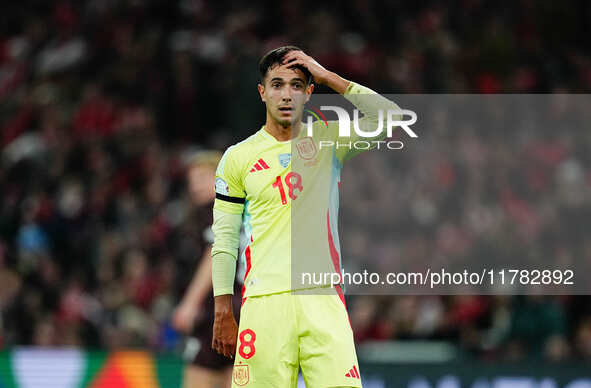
280	333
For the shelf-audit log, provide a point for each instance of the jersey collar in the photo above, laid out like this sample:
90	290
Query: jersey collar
267	135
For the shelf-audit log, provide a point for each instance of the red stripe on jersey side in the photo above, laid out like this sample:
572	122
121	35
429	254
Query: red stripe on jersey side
252	170
348	374
334	254
243	300
341	295
262	162
248	265
259	168
356	371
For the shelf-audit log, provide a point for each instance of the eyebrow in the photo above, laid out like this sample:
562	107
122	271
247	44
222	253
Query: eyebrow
293	79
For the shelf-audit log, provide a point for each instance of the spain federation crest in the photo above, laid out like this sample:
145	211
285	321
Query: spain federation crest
240	375
284	159
306	148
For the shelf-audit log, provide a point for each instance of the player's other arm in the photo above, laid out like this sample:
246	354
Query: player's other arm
349	89
374	123
227	219
319	73
368	102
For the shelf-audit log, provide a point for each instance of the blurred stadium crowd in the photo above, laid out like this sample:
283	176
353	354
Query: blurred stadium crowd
103	100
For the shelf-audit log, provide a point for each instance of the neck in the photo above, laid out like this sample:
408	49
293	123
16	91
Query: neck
280	132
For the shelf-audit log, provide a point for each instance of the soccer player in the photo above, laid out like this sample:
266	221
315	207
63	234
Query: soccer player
259	187
193	315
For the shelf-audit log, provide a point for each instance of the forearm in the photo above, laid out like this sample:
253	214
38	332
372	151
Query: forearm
226	230
223	305
377	112
336	82
223	272
369	102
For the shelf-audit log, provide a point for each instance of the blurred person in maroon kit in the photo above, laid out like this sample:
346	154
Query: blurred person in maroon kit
194	314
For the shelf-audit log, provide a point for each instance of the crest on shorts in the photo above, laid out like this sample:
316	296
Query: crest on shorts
284	159
306	148
240	375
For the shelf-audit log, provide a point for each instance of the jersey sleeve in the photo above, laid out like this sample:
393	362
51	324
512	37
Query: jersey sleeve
229	184
369	104
226	231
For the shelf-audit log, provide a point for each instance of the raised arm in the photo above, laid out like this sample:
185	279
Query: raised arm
368	102
320	74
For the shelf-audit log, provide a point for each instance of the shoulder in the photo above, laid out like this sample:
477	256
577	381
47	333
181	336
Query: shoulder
239	153
245	144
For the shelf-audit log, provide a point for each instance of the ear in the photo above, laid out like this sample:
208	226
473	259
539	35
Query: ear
309	91
261	89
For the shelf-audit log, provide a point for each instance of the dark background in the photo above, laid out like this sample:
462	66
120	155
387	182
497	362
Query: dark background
101	101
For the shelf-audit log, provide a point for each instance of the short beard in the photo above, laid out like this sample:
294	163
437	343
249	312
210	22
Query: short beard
283	123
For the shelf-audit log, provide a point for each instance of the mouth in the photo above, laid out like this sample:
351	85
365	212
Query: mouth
285	109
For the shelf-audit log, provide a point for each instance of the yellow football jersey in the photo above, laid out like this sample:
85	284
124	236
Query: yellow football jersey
288	194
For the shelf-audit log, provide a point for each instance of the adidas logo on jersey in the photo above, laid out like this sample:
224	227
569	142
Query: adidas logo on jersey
354	373
260	165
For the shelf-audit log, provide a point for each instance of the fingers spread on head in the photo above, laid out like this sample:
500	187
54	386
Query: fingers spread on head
291	56
295	63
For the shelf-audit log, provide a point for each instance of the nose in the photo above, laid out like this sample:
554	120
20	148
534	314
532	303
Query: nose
286	95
